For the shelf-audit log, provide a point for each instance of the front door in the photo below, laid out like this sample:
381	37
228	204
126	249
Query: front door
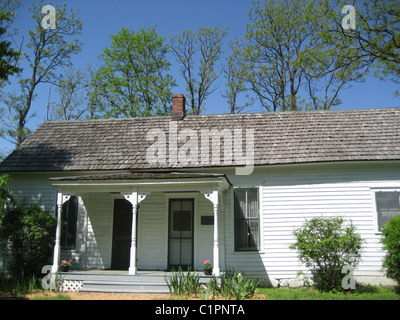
122	233
180	253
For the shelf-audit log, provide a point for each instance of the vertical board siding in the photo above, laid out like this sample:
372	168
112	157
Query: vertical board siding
152	238
99	208
204	234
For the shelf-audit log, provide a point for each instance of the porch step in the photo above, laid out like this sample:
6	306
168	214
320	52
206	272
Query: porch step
121	282
118	283
123	287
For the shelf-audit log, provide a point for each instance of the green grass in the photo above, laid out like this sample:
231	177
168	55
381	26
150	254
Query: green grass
57	297
361	293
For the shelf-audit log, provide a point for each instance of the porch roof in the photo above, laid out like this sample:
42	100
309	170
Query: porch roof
139	176
156	181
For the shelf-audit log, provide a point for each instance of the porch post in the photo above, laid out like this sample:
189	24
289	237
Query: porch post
61	199
134	199
213	197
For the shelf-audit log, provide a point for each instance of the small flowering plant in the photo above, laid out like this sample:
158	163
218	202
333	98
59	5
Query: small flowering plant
66	263
207	265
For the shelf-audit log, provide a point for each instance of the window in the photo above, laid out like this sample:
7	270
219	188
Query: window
387	206
69	217
247	222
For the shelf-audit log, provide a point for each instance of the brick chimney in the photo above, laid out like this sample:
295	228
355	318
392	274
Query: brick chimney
178	106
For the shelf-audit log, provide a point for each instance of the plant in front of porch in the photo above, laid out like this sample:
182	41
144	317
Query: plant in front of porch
183	283
207	267
237	286
64	265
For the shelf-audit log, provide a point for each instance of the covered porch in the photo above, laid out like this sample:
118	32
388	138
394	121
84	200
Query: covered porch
142	221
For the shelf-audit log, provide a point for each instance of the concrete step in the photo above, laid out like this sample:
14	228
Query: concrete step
149	288
150	283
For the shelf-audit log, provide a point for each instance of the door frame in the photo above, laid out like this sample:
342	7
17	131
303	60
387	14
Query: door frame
192	199
112	263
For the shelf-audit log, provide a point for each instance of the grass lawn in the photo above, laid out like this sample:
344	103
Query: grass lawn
361	293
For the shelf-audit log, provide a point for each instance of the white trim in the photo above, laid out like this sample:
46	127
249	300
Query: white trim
260	219
374	204
190	194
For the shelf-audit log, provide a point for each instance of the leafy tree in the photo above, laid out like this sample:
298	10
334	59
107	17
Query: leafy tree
391	243
325	246
198	53
290	50
48	50
133	80
376	37
235	75
8	55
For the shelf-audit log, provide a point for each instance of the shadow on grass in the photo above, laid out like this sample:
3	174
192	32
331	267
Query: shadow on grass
367	288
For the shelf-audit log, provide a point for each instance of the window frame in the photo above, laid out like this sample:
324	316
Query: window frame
259	221
375	202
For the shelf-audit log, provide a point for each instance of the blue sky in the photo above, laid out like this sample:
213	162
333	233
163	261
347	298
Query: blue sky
103	18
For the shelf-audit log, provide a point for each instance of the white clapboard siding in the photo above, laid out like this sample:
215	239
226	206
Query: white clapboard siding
99	208
288	195
291	194
34	187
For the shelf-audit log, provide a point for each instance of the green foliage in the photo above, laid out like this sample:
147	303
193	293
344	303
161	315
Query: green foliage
361	293
20	285
183	283
5	194
133	79
8	55
391	243
377	35
325	246
235	285
46	52
289	50
29	231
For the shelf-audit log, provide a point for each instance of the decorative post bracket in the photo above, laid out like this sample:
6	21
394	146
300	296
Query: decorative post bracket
134	198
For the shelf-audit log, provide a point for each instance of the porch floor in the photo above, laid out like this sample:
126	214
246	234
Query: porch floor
119	281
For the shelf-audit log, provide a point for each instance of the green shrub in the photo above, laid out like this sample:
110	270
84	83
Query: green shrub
391	243
6	195
235	285
325	246
183	283
29	231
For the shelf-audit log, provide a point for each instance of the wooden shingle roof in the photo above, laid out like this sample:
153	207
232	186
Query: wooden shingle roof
279	138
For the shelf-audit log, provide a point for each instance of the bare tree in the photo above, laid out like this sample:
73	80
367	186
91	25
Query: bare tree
198	53
48	50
